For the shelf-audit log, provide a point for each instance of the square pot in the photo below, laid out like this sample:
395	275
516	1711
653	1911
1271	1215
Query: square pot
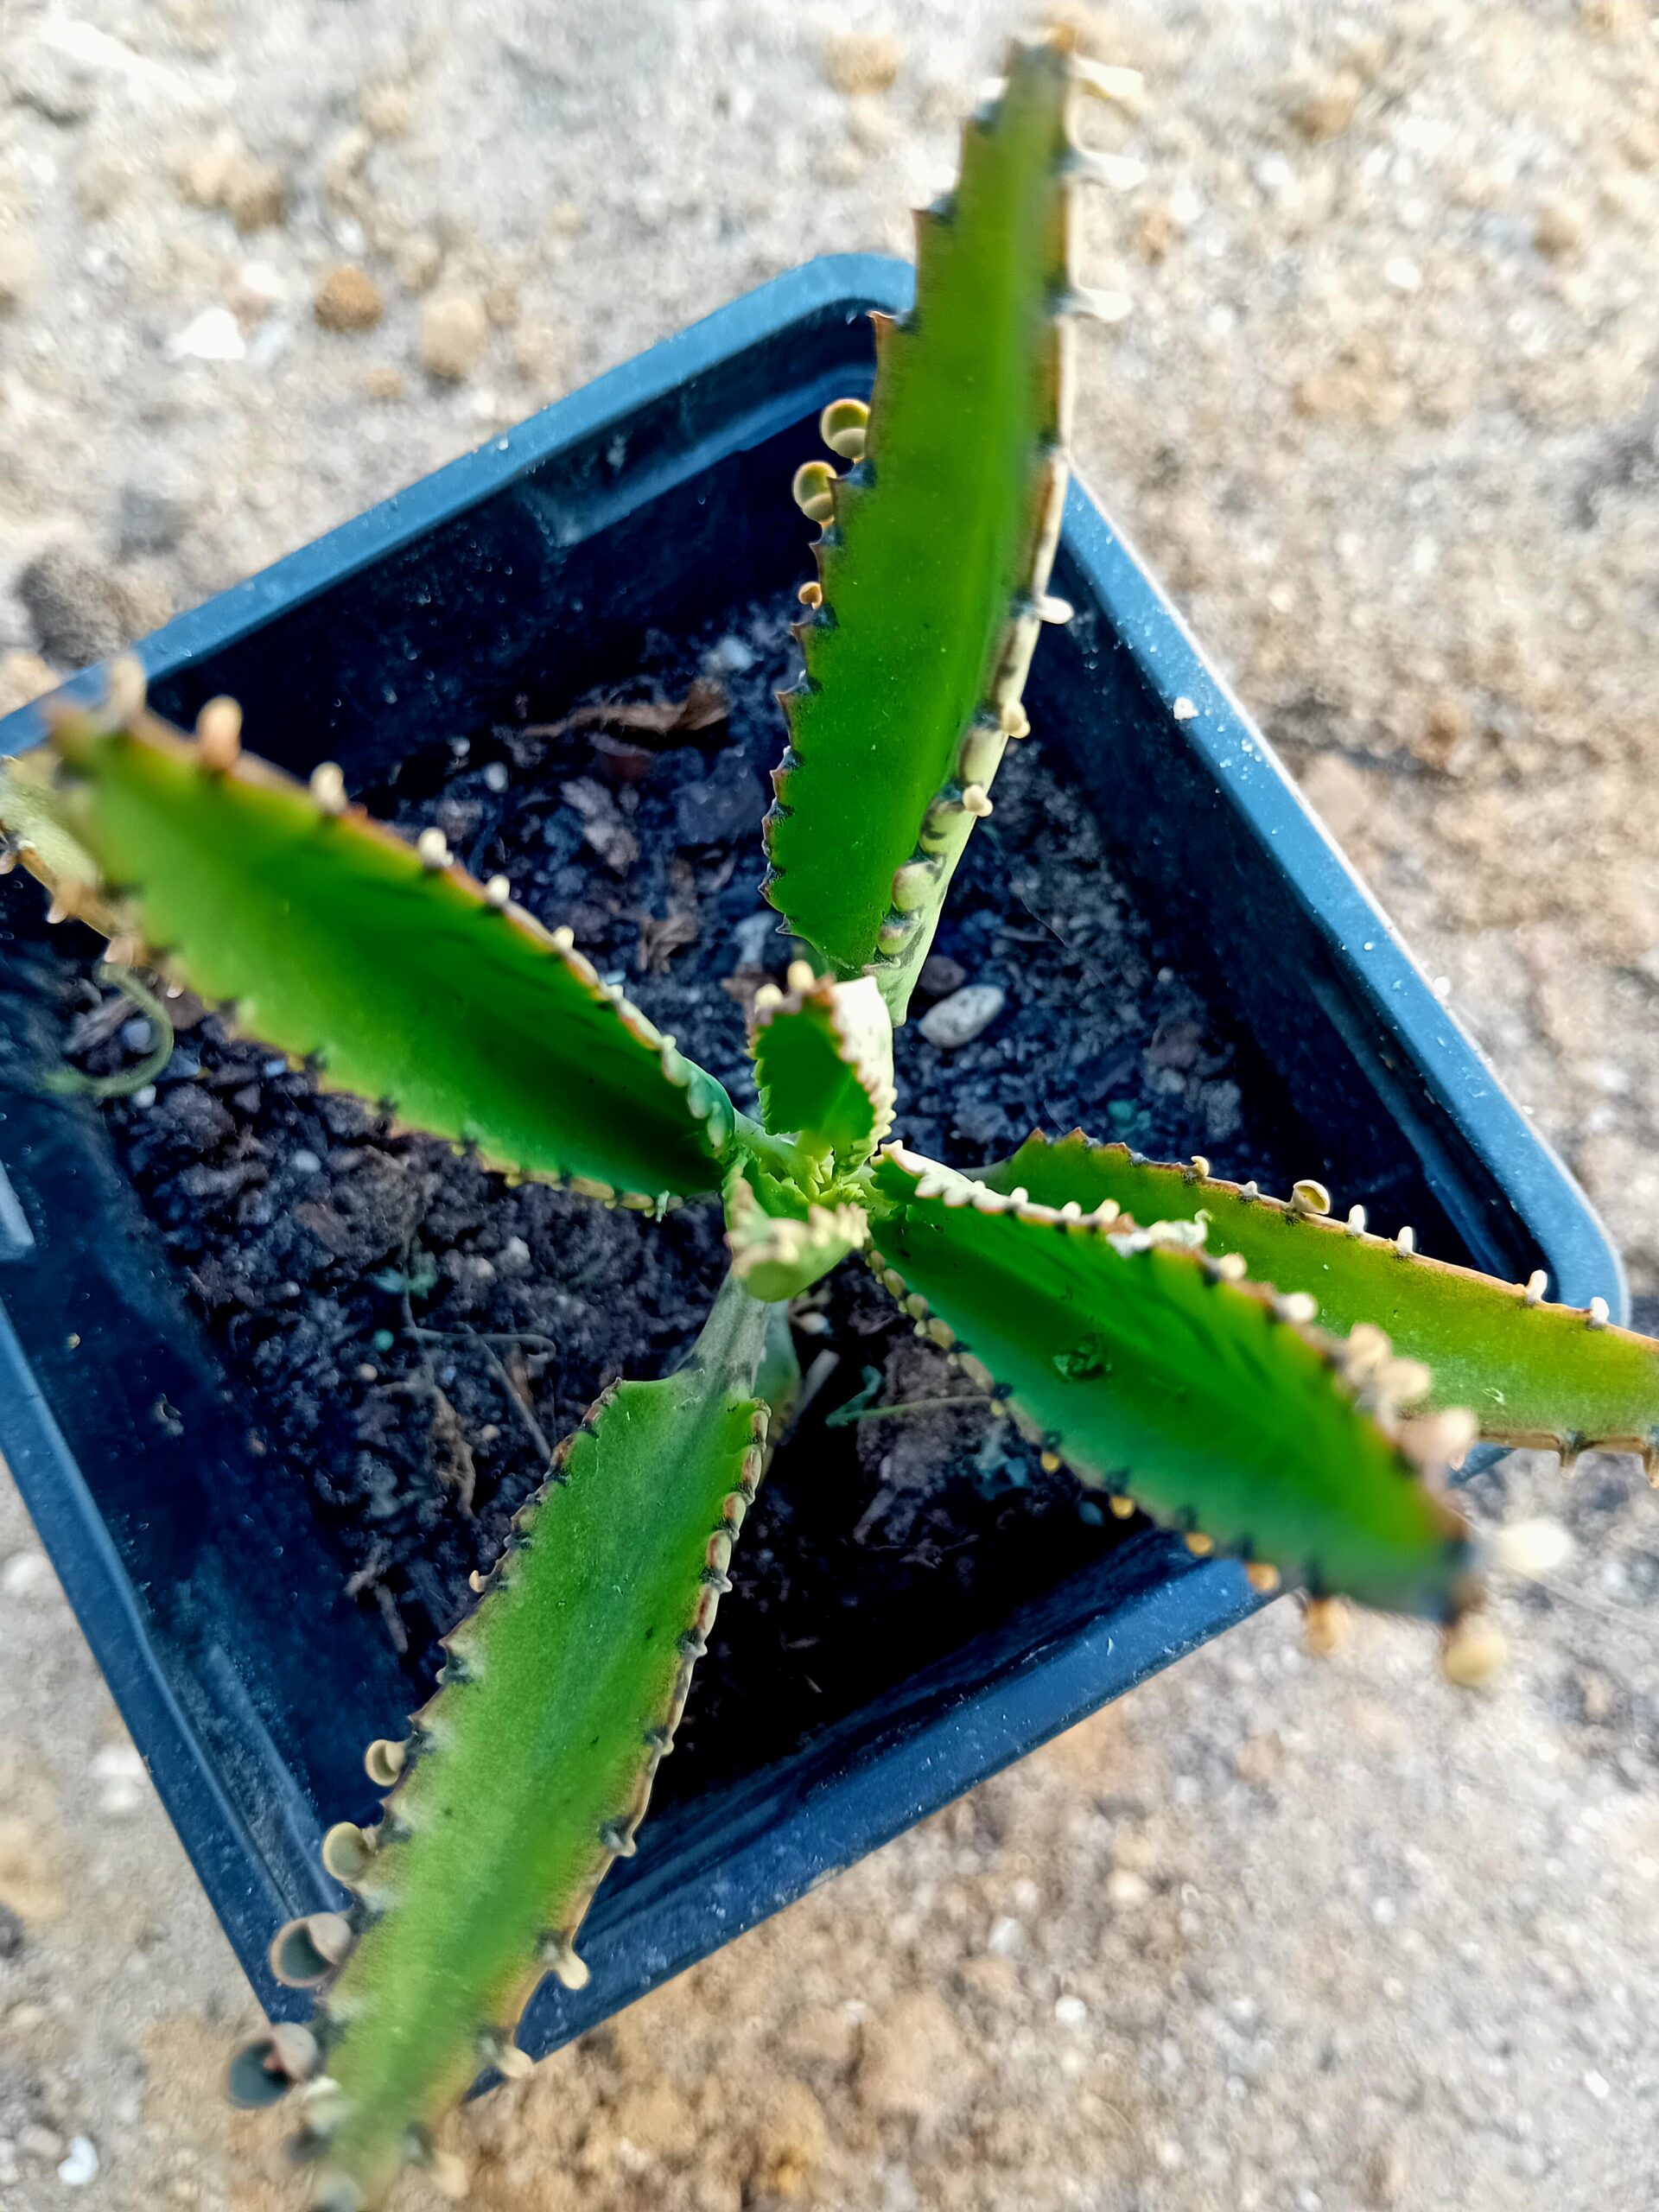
653	500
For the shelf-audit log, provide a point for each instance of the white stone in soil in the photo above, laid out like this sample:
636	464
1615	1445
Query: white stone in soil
967	1013
122	1777
23	1574
215	335
757	935
732	656
81	2165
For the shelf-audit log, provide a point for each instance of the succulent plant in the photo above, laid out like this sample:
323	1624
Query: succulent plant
1217	1358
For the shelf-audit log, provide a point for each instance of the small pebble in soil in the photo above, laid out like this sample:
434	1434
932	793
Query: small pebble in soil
81	2165
967	1013
731	656
25	1573
939	976
757	938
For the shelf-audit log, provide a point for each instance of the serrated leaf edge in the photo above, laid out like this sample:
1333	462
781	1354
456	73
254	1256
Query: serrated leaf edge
1379	1386
101	904
1310	1207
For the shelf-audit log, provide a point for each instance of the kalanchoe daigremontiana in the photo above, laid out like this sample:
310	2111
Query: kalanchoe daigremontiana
1122	1310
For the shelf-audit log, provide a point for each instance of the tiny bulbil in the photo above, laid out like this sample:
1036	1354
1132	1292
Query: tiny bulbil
1277	1383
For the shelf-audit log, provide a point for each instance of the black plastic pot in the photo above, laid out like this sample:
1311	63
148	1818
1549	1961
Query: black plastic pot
653	500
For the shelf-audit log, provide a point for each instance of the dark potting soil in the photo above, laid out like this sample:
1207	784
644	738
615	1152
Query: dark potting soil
410	1333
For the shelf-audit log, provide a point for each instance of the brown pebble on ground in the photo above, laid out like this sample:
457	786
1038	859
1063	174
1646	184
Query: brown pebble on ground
821	2037
861	61
1558	230
993	1980
19	266
1387	2172
502	302
1341	794
32	1872
655	2117
1447	727
1156	232
348	299
387	110
914	2065
790	2140
454	330
1363	384
538	356
1326	110
418	261
1260	1759
253	194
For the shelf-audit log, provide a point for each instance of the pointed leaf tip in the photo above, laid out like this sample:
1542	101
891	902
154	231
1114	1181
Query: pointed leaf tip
936	571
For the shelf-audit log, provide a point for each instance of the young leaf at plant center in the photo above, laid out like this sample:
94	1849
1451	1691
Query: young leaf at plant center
530	1770
934	563
824	1064
780	1241
1531	1373
406	980
1148	1365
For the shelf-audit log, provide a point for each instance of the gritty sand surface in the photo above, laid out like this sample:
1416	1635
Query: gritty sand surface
1269	1935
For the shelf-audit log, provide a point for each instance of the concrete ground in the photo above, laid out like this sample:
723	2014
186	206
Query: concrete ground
1269	1935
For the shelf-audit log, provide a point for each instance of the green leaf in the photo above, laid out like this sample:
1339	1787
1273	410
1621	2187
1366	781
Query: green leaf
824	1064
936	554
531	1769
31	812
1531	1373
1148	1367
338	942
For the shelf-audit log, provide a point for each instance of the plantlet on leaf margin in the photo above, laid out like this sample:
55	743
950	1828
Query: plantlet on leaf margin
1107	1303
